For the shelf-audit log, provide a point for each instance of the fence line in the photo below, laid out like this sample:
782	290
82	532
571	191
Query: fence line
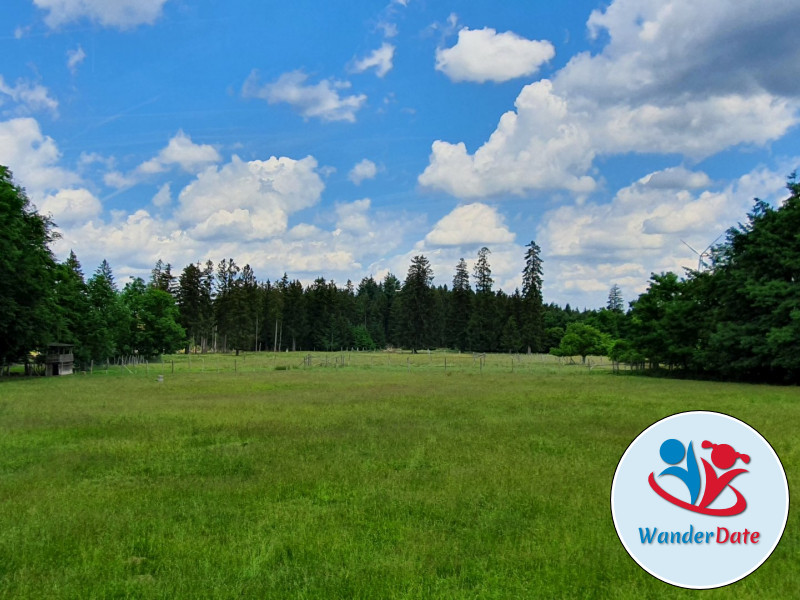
422	361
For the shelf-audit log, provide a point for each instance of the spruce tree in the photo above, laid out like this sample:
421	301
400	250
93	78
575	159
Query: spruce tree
416	304
459	308
533	334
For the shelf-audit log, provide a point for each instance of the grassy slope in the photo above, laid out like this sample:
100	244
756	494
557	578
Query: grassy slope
359	482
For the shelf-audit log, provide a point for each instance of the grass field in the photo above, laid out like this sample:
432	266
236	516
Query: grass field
376	476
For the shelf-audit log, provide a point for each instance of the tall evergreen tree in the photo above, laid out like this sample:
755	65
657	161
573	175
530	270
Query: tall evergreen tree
483	327
108	334
295	319
225	303
416	304
390	309
615	301
72	298
532	317
161	277
482	273
194	305
459	308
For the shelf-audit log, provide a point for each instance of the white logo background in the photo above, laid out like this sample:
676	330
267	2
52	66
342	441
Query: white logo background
635	505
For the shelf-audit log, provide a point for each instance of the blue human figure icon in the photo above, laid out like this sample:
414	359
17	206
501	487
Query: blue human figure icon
672	452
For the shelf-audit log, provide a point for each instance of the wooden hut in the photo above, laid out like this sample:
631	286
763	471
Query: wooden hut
60	359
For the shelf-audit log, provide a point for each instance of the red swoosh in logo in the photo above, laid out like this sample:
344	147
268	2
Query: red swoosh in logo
737	508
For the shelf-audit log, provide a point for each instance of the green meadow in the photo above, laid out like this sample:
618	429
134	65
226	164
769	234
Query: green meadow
345	475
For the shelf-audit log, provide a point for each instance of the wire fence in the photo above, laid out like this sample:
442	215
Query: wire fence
428	361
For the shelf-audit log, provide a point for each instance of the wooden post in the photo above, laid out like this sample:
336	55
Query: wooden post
445	363
173	366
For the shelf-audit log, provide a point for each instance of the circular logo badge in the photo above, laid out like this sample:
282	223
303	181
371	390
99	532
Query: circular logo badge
699	500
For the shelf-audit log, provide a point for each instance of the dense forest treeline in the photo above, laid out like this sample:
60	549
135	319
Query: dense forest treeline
740	319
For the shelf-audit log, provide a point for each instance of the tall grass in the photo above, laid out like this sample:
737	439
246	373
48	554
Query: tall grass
364	479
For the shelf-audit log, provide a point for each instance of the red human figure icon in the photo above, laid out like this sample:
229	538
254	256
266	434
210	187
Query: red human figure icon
724	457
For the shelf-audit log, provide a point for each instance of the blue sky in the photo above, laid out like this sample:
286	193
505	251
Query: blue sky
341	139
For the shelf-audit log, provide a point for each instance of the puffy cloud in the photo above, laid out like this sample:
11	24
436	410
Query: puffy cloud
675	178
365	169
538	146
482	55
30	97
33	158
667	50
675	77
322	101
75	58
470	224
380	60
353	216
131	243
70	206
248	200
179	151
121	14
589	247
182	151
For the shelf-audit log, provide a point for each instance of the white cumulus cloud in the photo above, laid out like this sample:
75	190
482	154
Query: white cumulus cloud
248	200
70	206
322	100
121	14
482	55
470	224
365	169
538	146
589	247
675	77
33	158
183	152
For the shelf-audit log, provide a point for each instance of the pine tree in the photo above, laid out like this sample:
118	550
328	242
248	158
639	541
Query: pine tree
615	301
72	298
416	304
194	304
483	327
459	308
482	273
109	331
532	318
